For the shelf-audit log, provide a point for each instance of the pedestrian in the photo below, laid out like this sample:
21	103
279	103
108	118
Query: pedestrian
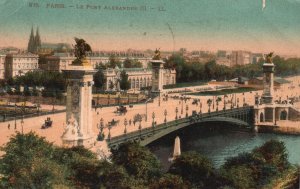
8	126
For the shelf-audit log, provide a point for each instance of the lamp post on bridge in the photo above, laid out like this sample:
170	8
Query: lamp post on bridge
187	109
237	105
153	123
165	113
213	103
219	99
181	105
109	136
209	101
224	108
200	108
125	124
176	111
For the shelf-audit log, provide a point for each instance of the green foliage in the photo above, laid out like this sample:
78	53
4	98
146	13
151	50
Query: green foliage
124	83
131	63
169	181
27	162
99	79
263	164
239	176
194	168
190	71
137	161
113	62
117	177
274	154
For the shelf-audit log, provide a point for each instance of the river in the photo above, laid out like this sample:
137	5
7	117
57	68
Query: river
219	141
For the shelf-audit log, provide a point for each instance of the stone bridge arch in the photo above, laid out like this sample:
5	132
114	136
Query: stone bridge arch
161	134
241	117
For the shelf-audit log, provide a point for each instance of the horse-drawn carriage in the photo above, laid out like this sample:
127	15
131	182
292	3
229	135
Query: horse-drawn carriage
121	110
47	124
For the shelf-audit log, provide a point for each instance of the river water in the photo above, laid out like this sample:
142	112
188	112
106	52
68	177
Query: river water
219	141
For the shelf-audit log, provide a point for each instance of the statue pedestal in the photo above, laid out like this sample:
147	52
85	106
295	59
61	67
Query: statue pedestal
78	131
157	76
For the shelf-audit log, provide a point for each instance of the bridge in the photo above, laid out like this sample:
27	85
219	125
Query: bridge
242	117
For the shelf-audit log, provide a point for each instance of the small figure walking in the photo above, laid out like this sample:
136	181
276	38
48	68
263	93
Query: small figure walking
8	126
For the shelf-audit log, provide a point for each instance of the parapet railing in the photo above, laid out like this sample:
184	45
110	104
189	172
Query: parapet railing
238	113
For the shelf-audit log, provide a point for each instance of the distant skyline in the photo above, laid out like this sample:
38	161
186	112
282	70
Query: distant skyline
166	24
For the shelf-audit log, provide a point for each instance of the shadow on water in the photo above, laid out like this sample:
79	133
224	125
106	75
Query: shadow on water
219	141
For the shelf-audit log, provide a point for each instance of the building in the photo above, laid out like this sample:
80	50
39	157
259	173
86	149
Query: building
19	64
56	62
225	61
278	81
61	61
138	77
51	48
2	66
240	58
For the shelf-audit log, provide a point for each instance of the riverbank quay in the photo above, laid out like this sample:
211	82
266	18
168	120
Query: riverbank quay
282	127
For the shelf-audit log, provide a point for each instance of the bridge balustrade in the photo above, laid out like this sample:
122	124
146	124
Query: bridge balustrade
242	113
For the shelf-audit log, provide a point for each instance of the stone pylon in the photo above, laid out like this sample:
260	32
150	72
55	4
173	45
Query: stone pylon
78	131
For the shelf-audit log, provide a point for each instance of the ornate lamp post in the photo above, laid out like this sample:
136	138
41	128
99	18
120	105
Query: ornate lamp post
200	108
209	101
244	101
181	105
109	136
165	113
217	102
125	124
224	102
101	125
140	120
153	116
237	105
187	109
176	111
213	103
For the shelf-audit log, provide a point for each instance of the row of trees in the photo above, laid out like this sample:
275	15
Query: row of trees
127	63
131	166
188	70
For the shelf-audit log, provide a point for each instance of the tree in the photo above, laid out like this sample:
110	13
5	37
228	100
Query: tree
238	176
26	163
138	161
169	181
124	83
117	177
194	168
132	63
274	153
113	62
99	79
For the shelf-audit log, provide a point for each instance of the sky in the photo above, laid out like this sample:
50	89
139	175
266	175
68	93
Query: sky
150	24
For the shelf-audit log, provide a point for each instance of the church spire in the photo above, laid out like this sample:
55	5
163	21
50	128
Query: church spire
37	40
30	47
